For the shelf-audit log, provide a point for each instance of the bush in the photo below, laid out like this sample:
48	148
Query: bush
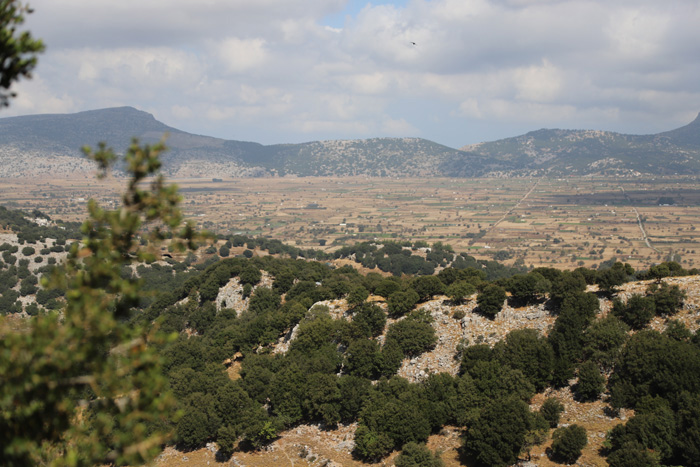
590	382
417	455
568	443
490	300
224	251
414	335
400	303
459	290
637	312
28	251
551	410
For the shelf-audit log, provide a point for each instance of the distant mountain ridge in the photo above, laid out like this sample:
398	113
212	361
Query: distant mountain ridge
50	144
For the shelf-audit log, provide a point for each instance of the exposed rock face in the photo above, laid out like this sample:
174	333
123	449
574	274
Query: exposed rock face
231	294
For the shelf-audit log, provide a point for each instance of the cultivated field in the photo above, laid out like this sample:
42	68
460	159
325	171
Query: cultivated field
554	222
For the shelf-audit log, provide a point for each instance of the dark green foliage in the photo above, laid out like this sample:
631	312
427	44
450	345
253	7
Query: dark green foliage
363	359
28	286
527	351
264	300
200	421
564	283
603	339
250	275
370	445
590	382
616	275
357	295
568	443
474	354
497	436
417	455
392	357
491	380
551	410
194	428
440	394
226	438
577	310
224	251
633	454
387	287
8	302
287	393
28	251
209	290
653	427
400	303
394	409
668	300
652	364
490	300
459	290
637	312
323	398
528	288
353	391
413	334
688	429
427	287
369	320
9	258
678	331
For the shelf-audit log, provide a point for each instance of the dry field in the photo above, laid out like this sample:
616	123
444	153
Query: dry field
563	223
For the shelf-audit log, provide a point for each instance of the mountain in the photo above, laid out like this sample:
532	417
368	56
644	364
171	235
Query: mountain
585	152
50	145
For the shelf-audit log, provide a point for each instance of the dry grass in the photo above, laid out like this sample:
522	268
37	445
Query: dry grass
545	222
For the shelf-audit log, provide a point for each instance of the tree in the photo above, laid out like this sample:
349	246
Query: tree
413	334
498	435
568	443
417	455
371	445
490	300
91	351
18	50
527	351
633	454
428	286
551	410
637	312
667	299
603	339
357	295
590	382
363	358
527	288
459	290
400	303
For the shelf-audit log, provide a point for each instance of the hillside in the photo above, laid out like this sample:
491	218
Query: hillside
584	152
283	361
50	145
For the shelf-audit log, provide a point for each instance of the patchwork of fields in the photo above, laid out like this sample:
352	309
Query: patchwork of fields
563	223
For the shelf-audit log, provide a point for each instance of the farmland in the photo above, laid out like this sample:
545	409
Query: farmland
564	223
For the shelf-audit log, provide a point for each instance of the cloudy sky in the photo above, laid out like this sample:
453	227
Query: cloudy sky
287	71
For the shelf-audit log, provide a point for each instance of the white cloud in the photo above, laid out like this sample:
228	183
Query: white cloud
241	55
272	71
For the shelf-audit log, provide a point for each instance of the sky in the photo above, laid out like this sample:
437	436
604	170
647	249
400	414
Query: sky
456	72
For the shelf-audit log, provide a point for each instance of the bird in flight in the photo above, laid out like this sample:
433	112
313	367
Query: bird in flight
413	43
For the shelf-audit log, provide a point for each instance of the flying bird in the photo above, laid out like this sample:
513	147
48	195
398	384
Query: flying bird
413	43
